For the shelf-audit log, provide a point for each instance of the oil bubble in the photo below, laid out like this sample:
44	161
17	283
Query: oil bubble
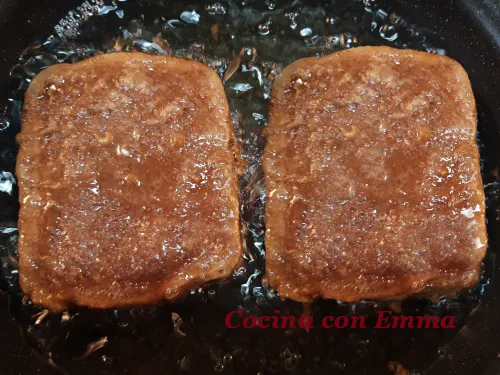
190	17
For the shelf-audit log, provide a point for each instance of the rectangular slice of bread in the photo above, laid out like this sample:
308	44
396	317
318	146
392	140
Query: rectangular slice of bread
127	178
373	177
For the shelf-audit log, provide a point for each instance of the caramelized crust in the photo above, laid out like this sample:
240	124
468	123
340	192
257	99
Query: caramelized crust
127	180
373	177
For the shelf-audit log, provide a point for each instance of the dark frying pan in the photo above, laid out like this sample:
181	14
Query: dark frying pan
152	340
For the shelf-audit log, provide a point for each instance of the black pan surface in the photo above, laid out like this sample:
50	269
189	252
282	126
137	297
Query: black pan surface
152	340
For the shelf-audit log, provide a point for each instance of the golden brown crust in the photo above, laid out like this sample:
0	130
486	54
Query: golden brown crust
373	178
127	181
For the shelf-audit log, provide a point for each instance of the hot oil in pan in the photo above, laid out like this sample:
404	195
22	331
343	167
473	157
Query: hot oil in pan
248	43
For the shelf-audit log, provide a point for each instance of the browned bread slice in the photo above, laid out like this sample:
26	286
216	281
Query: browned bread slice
373	178
127	181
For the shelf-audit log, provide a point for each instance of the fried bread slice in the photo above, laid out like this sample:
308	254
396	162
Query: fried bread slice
128	182
373	177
